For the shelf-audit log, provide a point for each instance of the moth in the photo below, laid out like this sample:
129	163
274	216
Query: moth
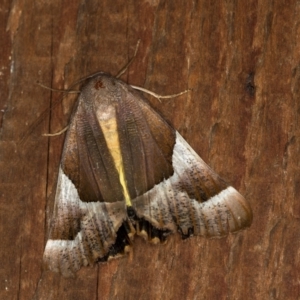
124	172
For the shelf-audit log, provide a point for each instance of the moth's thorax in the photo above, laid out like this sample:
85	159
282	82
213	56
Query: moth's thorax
106	94
105	112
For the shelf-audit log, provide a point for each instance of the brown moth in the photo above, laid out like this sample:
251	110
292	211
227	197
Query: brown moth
126	171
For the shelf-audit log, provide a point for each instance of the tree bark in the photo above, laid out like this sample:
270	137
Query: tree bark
241	61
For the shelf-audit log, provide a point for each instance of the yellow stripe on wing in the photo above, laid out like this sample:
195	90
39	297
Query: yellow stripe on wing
110	131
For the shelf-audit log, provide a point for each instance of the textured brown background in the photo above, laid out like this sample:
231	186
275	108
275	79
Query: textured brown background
242	60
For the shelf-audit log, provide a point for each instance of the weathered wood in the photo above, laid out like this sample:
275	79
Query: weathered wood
241	60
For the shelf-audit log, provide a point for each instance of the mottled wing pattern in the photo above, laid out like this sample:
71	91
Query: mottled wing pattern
81	232
195	200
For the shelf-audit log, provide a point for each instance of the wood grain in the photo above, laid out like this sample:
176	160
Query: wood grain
240	58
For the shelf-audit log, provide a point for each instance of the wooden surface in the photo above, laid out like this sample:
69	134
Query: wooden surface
242	61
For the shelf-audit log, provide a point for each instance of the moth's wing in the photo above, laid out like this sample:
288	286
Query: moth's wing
90	221
89	208
190	197
81	232
86	158
194	200
146	141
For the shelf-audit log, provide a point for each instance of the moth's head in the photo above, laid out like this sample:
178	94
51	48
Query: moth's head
102	89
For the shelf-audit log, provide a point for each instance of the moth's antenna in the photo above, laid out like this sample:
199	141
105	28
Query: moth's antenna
157	96
58	90
130	62
56	133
